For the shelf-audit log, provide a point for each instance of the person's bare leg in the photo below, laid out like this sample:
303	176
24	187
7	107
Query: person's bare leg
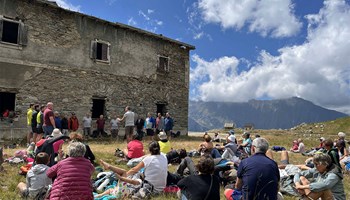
109	191
269	154
120	171
304	181
284	156
324	195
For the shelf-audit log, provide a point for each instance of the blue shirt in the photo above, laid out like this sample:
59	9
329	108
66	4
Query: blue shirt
168	124
260	176
58	122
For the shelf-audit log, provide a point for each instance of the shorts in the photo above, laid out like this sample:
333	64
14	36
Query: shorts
34	130
284	162
39	129
129	130
149	132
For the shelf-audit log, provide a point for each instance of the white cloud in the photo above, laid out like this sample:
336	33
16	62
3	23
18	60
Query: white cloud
317	70
149	11
159	23
132	22
198	35
65	4
141	13
268	17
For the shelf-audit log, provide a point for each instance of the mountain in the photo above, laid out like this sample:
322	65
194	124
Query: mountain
264	114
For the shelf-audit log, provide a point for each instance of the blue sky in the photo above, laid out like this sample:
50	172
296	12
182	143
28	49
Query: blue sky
249	49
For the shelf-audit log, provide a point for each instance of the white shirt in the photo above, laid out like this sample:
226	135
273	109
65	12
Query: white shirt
114	124
129	118
87	122
156	171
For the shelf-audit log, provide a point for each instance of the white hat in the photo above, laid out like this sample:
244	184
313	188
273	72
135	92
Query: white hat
162	136
341	134
322	139
56	132
232	138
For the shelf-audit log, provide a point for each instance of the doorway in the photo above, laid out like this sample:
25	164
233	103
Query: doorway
161	108
7	101
98	107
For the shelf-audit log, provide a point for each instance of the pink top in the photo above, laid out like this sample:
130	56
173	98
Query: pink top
56	145
135	149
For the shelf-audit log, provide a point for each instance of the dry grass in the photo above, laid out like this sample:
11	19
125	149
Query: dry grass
105	150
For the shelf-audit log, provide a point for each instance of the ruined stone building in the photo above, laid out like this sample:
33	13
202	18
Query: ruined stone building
82	63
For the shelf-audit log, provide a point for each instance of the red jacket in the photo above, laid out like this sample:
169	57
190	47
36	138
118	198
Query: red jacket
73	179
73	124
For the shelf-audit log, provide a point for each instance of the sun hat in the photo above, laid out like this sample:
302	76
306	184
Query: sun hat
232	138
322	139
162	136
56	132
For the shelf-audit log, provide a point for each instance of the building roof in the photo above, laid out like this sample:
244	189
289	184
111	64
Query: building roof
120	25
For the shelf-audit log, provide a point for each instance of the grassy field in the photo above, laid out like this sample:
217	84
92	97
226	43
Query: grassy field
104	149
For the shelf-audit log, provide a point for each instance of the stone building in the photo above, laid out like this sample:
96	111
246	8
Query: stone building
82	63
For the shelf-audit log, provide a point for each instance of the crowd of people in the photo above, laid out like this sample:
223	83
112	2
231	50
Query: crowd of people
241	164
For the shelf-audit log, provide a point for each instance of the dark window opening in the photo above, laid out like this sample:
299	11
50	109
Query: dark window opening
10	32
161	108
163	63
7	102
102	51
98	107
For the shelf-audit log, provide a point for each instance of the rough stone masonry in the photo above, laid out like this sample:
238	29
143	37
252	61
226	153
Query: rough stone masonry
82	63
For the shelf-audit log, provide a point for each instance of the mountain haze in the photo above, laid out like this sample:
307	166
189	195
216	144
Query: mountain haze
264	114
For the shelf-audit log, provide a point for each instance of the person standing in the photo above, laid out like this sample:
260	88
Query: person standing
34	122
150	124
168	124
129	118
258	176
58	120
159	123
64	124
29	122
140	123
49	120
40	122
73	123
87	124
100	123
114	126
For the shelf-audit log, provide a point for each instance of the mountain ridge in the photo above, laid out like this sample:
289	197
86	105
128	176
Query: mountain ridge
264	114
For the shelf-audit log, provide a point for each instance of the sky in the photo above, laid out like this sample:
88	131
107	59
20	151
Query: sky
251	49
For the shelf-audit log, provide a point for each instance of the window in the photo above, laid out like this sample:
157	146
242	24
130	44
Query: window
12	32
98	107
7	101
163	64
100	51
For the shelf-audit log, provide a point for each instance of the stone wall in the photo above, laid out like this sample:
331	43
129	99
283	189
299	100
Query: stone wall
56	66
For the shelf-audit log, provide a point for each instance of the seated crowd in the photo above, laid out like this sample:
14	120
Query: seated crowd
243	166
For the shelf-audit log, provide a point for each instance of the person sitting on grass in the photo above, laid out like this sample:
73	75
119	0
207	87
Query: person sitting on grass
134	148
246	144
301	147
164	143
155	172
205	185
208	147
126	186
331	151
230	149
325	181
36	179
74	136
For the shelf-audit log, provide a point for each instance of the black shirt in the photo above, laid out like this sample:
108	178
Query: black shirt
196	187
